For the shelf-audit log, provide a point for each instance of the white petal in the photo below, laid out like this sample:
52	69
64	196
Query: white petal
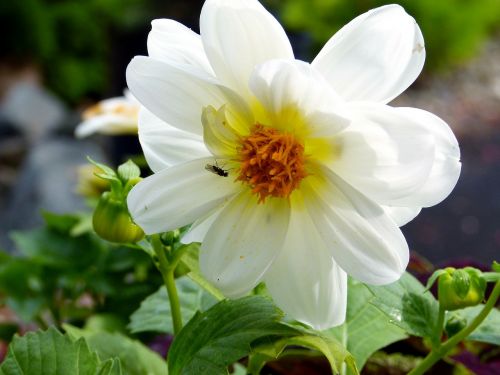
114	105
164	145
304	280
237	35
292	92
107	124
402	215
243	242
177	93
364	241
171	41
375	57
177	196
220	138
201	226
384	154
446	166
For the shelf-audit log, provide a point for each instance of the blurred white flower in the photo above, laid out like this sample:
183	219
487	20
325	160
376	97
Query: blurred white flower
110	116
295	174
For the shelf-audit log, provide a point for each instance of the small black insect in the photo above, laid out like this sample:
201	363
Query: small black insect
217	170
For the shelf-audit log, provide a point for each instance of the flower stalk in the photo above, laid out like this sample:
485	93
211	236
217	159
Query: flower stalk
439	327
441	350
167	270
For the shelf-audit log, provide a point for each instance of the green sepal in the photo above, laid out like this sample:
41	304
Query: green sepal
491	277
433	279
107	172
110	175
495	266
461	283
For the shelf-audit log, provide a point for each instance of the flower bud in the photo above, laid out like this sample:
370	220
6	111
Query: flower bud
169	238
460	288
112	221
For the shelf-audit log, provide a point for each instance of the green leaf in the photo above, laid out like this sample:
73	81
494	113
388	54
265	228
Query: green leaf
52	248
60	223
154	313
111	367
83	226
128	170
105	322
135	358
22	287
19	277
222	335
489	330
262	353
408	305
50	352
334	352
239	369
26	308
366	329
332	349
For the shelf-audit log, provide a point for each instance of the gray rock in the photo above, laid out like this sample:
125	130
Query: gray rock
32	110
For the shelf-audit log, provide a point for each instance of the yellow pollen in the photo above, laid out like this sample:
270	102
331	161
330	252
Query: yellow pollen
272	162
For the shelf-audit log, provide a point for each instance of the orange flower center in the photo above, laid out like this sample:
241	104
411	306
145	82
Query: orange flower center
272	163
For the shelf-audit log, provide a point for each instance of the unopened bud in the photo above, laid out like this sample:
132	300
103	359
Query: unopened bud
112	221
169	238
460	288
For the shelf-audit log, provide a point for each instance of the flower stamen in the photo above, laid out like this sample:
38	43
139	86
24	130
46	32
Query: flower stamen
272	162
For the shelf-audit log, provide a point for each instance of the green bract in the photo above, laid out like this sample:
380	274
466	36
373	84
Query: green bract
460	288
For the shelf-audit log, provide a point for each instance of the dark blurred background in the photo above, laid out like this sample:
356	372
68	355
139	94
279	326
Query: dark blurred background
57	57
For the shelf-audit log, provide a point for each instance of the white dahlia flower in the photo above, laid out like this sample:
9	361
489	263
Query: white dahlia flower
295	174
111	116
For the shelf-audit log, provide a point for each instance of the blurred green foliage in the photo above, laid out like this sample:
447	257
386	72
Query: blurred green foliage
72	40
453	29
64	272
68	39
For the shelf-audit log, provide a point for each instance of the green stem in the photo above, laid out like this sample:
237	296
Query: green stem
439	352
343	366
439	328
175	305
167	272
178	253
